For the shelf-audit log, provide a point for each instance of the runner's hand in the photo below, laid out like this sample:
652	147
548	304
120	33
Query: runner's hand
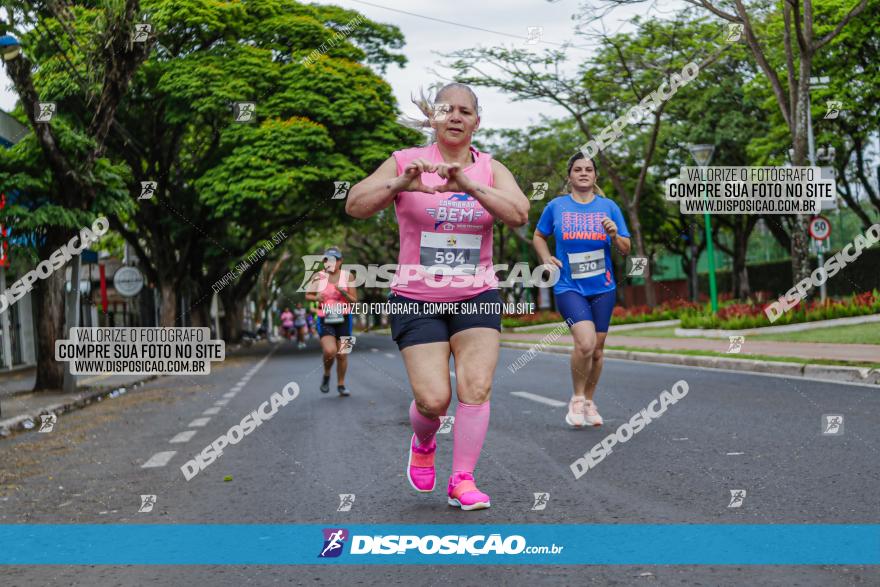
552	261
456	180
610	227
411	178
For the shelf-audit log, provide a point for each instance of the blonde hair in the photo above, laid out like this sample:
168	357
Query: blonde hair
428	106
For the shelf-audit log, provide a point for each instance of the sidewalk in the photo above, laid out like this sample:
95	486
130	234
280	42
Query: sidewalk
638	349
20	409
868	353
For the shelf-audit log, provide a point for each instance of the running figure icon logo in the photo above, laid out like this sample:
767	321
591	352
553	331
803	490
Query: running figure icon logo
334	541
46	110
244	111
147	503
536	34
638	266
737	496
346	500
734	32
832	425
346	344
141	32
441	110
539	188
446	423
736	343
833	107
341	190
148	190
541	500
47	422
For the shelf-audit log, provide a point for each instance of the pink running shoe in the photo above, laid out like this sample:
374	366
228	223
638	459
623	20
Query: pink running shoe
420	468
575	415
591	414
463	493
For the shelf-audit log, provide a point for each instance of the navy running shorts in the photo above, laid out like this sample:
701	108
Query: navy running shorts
415	322
597	308
341	329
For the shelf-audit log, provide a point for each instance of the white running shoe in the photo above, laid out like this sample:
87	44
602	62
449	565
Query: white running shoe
575	415
591	414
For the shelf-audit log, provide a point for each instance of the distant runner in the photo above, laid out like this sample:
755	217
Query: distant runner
331	290
300	325
584	225
287	323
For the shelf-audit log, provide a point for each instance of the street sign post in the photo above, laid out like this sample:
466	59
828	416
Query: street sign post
128	281
820	230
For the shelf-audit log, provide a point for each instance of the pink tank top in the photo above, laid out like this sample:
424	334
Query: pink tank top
445	238
332	295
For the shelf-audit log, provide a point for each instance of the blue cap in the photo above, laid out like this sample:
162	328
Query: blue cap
333	252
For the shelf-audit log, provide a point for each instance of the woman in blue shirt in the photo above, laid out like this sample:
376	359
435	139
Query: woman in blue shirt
584	225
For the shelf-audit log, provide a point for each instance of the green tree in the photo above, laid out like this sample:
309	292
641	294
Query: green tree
626	69
62	171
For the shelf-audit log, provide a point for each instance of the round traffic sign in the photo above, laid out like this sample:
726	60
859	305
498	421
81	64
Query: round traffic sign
128	281
820	228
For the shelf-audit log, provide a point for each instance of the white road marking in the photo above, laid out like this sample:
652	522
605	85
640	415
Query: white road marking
199	422
184	436
389	355
539	398
211	411
452	373
733	454
236	387
230	394
679	439
374	350
160	459
221	402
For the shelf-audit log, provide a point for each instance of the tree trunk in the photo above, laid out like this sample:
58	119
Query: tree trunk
800	259
635	228
741	287
168	307
233	314
201	315
48	298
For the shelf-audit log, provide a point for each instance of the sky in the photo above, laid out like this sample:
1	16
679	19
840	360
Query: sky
426	38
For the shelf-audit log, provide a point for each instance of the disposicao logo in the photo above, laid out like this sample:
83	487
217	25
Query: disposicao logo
334	540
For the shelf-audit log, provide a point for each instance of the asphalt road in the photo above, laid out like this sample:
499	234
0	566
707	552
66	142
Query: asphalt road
732	431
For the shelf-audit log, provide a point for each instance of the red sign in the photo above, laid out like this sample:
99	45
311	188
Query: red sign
820	228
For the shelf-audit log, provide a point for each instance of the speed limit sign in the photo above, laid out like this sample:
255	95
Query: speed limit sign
820	228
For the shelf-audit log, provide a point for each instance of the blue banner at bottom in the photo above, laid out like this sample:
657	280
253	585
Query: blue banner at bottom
528	544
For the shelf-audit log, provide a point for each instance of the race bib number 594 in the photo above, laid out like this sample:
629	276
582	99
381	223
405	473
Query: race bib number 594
454	254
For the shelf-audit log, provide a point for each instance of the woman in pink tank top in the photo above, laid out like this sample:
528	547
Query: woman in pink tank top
447	196
333	290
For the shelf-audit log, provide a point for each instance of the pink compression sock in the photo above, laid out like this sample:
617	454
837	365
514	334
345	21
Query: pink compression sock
424	427
469	431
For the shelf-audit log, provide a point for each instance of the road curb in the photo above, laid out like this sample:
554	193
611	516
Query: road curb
612	328
841	373
798	327
82	399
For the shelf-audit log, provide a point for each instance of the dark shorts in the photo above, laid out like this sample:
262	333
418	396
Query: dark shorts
575	307
337	330
413	322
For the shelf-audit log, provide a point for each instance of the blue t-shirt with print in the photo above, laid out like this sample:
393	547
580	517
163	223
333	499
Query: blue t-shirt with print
582	244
